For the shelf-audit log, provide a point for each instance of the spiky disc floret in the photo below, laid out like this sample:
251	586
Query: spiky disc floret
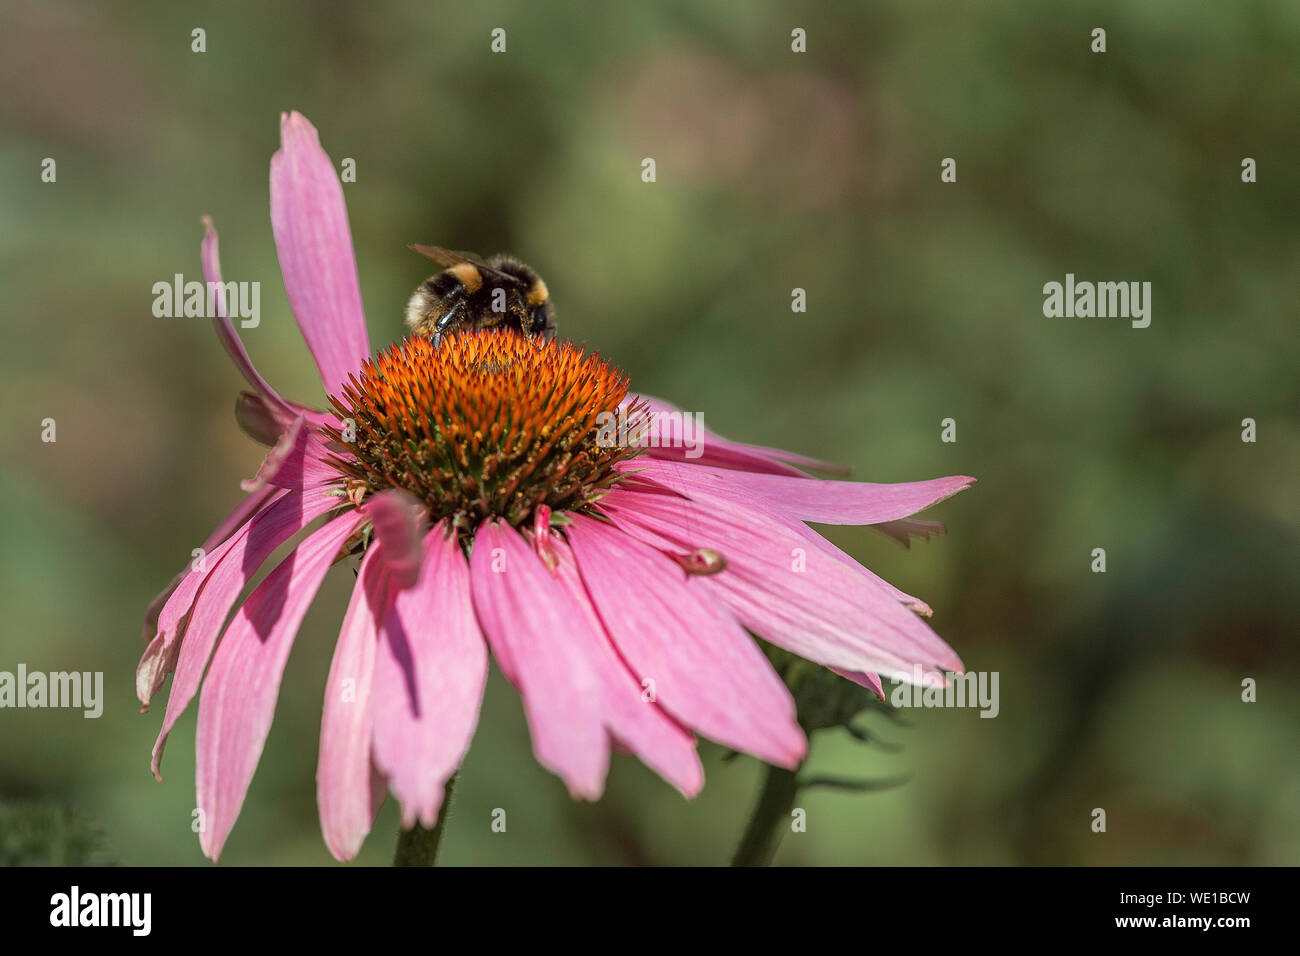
488	423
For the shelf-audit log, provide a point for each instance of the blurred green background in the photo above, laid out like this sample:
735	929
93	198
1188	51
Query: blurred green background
775	170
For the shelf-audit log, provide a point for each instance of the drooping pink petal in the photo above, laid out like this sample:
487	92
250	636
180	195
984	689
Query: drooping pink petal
429	678
310	222
226	330
249	506
808	499
577	693
398	518
344	795
706	671
264	405
238	699
256	419
231	567
243	511
296	461
870	681
263	421
717	451
157	661
796	596
159	658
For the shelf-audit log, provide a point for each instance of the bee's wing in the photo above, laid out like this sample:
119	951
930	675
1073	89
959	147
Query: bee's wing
447	259
444	257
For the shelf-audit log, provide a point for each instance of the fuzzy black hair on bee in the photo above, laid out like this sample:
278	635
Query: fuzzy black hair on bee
499	292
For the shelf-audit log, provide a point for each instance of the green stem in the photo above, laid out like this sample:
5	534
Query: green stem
768	821
418	846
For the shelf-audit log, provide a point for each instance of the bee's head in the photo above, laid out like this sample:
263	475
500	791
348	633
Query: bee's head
539	316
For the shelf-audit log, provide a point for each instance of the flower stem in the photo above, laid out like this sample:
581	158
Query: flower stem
771	815
418	846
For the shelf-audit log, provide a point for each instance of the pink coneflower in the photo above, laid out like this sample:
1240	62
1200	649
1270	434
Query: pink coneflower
615	585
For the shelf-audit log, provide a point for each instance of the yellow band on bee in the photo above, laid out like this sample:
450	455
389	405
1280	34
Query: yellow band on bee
537	294
468	275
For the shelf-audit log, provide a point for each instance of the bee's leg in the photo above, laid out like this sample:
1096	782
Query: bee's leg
445	322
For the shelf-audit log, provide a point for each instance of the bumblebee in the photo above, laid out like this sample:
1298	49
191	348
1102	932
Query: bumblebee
469	294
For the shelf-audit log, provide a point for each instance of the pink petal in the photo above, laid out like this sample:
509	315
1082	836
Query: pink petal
243	682
429	679
808	499
770	511
297	461
808	534
256	418
226	330
243	511
398	518
870	681
707	672
344	794
264	403
230	568
824	612
159	657
263	422
722	453
248	507
157	661
577	693
310	222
